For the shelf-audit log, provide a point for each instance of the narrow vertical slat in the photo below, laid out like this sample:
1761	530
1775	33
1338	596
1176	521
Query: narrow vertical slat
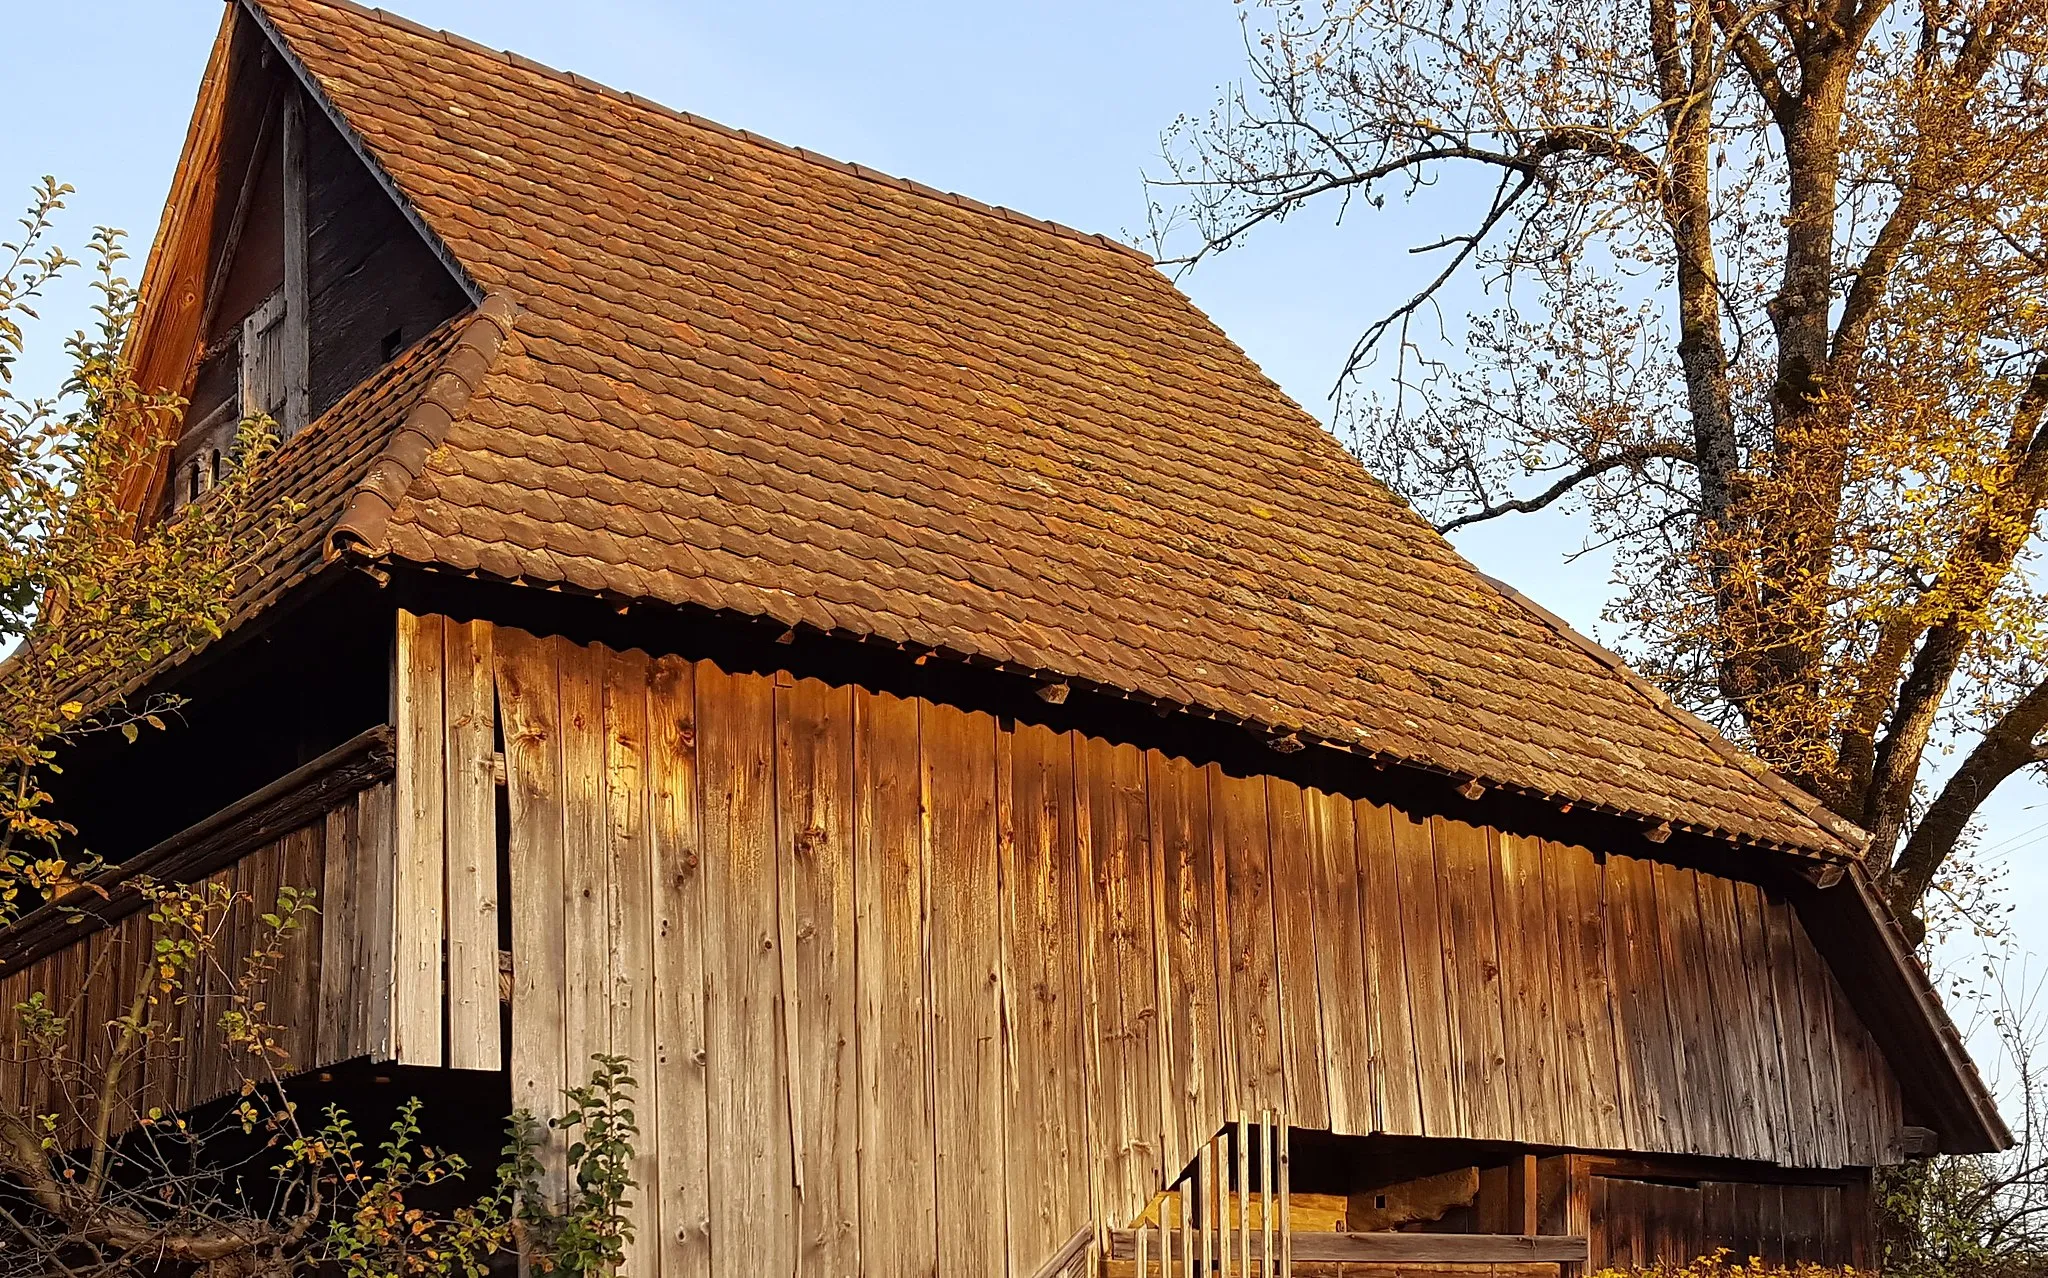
1817	994
1749	1135
529	687
471	798
1183	1200
1802	1109
1244	1194
295	355
1338	917
1046	1114
1123	973
1397	1106
1478	1004
1245	929
898	1187
1641	1013
629	925
959	771
422	878
339	1036
678	1082
1266	1194
1298	927
1205	1194
814	777
1574	887
753	1197
1286	1198
1191	1070
1421	949
377	907
586	861
1526	958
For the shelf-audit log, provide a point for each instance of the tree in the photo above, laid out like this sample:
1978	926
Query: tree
91	601
1766	311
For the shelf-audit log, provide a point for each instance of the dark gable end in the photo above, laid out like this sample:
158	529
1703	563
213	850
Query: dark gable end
285	275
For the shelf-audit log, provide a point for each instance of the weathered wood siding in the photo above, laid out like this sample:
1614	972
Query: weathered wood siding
330	995
909	984
1637	1224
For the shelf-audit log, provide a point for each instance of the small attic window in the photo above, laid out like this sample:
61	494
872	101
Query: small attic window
394	342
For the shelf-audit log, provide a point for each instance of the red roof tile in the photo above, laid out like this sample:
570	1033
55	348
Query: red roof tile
746	377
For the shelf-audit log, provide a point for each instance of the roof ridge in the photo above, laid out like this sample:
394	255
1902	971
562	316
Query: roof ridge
1854	838
360	527
589	85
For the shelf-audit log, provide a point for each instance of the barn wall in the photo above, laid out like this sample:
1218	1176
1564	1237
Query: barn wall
329	995
906	983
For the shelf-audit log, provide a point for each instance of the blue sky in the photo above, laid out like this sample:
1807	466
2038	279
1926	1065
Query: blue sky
1050	106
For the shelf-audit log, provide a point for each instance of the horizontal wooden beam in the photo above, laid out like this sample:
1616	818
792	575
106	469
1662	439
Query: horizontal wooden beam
1392	1247
296	799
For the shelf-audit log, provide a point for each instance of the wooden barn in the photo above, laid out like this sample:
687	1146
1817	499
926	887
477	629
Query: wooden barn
1015	788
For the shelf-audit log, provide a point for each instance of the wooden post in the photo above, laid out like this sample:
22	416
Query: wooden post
1205	1195
1522	1195
1244	1195
1144	1235
1165	1244
1266	1194
1221	1143
1187	1231
296	353
1286	1213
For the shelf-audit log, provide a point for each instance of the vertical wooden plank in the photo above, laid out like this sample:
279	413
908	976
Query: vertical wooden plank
421	884
1526	940
959	773
262	876
1471	938
898	1187
1397	1091
1046	1114
1818	997
1573	884
377	834
1192	1071
753	1199
339	1035
1682	954
629	924
1123	974
1245	927
469	709
1753	947
1339	924
1297	928
296	350
1438	1056
815	803
586	860
529	688
1744	1045
304	861
1802	1107
678	1075
1642	1018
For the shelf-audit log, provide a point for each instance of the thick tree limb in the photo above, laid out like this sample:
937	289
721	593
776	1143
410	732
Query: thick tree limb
1627	457
2013	743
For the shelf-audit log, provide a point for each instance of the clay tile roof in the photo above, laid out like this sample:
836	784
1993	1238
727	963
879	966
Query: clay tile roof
746	377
